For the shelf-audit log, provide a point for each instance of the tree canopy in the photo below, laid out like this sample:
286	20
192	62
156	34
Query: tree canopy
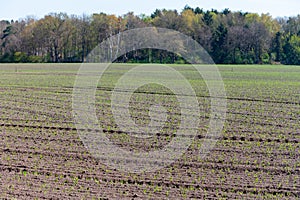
229	37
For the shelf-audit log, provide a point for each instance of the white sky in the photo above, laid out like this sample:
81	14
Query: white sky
16	9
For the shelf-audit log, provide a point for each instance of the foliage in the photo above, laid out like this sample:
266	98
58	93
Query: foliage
292	50
229	37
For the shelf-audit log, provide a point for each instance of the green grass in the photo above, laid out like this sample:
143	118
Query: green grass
250	81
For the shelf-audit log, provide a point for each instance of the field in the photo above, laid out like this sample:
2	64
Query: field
43	157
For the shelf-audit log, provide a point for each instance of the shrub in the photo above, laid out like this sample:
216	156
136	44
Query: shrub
35	59
20	57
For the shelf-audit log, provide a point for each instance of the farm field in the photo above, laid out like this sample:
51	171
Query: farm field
43	157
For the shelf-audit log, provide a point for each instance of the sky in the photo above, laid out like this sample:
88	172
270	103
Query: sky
17	9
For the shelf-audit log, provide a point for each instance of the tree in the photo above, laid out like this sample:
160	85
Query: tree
292	50
157	13
260	41
238	45
230	37
198	11
10	41
278	47
208	18
132	21
168	19
202	32
292	25
187	19
218	44
187	7
83	34
226	11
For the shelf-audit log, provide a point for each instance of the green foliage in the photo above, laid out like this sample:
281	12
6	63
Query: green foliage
218	44
7	58
230	37
265	58
20	57
278	47
35	59
292	50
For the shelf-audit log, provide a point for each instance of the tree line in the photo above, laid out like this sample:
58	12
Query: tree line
229	37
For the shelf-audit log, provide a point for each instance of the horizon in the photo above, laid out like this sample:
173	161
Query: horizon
9	11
